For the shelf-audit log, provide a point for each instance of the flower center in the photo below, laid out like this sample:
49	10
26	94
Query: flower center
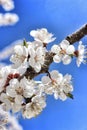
76	53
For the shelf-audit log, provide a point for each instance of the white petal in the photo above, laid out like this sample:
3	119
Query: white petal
67	78
55	49
18	99
78	62
33	33
57	59
32	62
40	51
62	96
70	49
25	51
46	80
60	78
37	67
18	49
54	74
66	60
31	51
11	92
56	96
81	47
16	108
64	44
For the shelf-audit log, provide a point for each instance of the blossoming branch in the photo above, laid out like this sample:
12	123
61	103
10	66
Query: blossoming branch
20	92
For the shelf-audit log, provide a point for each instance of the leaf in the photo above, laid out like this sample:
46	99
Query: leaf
70	95
25	43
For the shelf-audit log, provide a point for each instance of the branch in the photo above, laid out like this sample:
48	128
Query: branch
74	37
30	73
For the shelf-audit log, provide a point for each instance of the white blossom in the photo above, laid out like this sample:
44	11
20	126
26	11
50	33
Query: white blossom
7	4
8	19
81	54
57	84
37	58
58	56
6	101
19	90
63	52
4	72
20	56
42	35
24	87
35	107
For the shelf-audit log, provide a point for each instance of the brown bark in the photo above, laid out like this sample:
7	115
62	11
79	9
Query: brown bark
76	36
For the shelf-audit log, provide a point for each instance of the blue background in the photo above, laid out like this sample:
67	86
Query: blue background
60	17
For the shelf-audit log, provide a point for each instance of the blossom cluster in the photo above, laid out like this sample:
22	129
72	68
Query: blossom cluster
19	91
8	18
65	52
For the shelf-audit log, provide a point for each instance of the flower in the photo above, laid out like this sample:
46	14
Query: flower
8	19
7	4
6	101
20	56
57	84
80	54
18	91
42	35
35	107
4	72
37	57
24	87
63	52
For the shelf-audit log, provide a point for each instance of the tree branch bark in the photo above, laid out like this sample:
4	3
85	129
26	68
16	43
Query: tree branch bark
76	36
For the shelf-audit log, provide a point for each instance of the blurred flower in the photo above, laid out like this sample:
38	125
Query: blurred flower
7	4
3	117
8	122
8	19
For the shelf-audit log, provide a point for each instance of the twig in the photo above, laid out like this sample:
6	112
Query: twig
76	36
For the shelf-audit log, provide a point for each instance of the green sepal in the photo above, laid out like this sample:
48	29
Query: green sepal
25	43
70	95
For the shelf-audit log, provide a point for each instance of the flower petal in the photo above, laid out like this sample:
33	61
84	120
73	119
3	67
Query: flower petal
70	49
64	44
57	59
66	60
45	80
55	49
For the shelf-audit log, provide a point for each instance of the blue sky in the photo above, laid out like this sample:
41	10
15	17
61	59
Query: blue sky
61	17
